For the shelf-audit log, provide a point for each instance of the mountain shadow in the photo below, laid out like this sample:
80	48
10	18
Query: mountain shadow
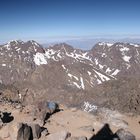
7	118
105	133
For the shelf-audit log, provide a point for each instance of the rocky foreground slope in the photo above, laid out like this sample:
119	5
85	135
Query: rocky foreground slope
107	75
67	124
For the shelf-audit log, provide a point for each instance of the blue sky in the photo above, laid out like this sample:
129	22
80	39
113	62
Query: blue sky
44	20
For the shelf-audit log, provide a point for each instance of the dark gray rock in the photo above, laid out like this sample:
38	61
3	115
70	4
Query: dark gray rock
49	107
36	130
44	132
52	106
45	109
24	132
125	135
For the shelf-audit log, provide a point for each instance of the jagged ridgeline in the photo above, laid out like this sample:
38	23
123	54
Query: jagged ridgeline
70	75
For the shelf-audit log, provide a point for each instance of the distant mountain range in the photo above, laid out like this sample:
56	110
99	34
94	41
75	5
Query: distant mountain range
63	72
87	43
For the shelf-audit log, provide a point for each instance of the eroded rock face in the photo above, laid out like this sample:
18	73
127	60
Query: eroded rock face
125	135
24	132
44	132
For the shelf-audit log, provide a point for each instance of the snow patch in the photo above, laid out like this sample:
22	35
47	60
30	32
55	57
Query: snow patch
108	70
76	85
18	49
3	65
82	83
104	55
124	49
63	67
40	59
101	66
89	107
49	53
89	73
115	72
82	56
23	52
104	43
96	61
58	55
126	58
72	76
128	66
102	77
135	45
99	81
34	43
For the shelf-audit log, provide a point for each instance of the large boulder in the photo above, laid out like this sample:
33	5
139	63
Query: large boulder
24	132
44	109
50	107
44	132
125	135
36	130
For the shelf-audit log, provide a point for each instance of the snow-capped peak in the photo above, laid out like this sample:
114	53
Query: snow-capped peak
34	43
14	42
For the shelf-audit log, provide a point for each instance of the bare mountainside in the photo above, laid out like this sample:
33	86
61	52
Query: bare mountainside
107	75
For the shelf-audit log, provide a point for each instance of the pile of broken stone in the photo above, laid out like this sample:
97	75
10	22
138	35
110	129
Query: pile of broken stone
42	111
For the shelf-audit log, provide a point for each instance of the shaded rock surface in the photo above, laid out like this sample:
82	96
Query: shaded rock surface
125	135
24	132
36	130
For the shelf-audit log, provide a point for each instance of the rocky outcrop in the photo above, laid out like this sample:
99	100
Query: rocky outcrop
36	131
69	124
44	109
24	132
125	135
